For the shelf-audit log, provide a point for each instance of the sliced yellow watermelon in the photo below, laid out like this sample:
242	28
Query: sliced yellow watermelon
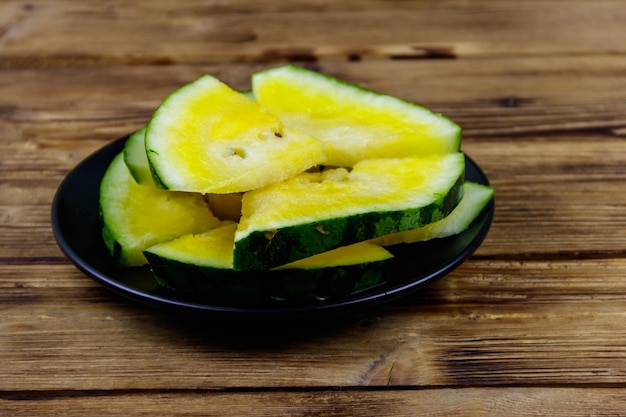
207	138
203	264
475	199
317	212
352	122
137	216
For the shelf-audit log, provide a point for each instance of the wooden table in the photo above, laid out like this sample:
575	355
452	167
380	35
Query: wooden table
533	324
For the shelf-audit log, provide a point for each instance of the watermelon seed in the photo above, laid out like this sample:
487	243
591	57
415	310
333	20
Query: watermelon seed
240	152
320	228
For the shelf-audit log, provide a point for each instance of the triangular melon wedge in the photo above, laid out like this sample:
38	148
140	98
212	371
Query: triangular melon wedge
475	199
137	216
203	265
208	138
223	206
353	123
318	211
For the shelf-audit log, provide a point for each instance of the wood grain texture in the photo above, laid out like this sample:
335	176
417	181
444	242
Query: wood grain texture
532	324
490	323
160	32
559	402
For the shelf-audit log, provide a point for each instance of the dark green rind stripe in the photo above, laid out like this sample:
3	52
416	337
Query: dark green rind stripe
155	176
266	287
327	283
110	241
268	249
203	281
136	163
114	247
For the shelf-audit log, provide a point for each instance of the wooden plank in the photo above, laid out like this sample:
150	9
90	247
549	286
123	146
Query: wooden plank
555	196
548	401
45	32
490	323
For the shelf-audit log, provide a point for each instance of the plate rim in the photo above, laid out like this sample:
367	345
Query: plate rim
371	297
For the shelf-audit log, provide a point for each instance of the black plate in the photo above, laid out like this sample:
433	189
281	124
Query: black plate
77	229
